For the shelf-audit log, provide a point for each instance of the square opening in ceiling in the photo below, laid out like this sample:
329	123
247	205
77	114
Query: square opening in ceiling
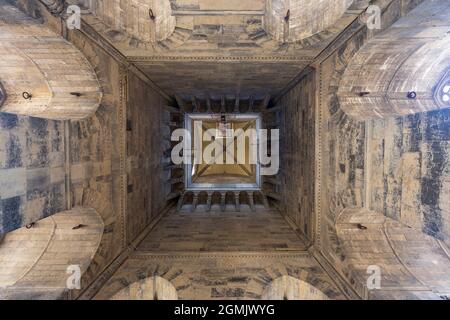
224	152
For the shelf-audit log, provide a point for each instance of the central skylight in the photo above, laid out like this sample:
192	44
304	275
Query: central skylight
225	158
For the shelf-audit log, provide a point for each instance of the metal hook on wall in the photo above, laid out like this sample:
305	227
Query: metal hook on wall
151	14
26	95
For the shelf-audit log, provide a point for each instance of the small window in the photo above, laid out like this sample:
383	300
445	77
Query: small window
443	91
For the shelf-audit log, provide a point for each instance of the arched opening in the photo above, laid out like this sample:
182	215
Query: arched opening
290	288
46	259
152	288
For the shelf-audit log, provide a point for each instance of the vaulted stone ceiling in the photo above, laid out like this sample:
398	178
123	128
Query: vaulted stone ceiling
246	47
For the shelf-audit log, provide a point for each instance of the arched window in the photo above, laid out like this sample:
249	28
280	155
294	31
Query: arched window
443	92
290	288
152	288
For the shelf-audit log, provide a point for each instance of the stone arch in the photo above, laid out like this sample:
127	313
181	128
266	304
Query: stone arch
152	288
36	259
155	18
396	73
406	257
304	20
42	74
290	288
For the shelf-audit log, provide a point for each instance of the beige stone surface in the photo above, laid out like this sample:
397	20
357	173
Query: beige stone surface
222	231
354	191
39	257
37	61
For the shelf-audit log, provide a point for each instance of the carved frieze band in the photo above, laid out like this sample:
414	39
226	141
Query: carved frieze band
140	59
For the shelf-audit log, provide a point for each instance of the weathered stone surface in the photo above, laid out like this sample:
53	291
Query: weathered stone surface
306	18
215	231
56	78
371	193
32	167
412	56
204	276
409	168
34	262
145	150
407	258
297	130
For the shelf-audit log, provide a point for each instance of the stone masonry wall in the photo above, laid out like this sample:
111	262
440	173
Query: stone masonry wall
410	171
351	177
297	156
40	62
32	170
146	182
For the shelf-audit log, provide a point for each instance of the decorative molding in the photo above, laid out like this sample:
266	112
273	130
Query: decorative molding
318	155
354	28
177	255
186	12
335	276
122	123
142	59
94	287
67	164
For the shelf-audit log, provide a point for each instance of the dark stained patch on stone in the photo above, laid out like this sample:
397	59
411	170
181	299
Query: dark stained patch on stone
412	143
13	152
57	140
38	182
438	126
8	121
11	218
42	157
227	292
431	190
238	279
55	201
360	146
39	127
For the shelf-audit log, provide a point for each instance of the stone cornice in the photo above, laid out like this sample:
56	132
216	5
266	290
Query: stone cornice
143	59
142	255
